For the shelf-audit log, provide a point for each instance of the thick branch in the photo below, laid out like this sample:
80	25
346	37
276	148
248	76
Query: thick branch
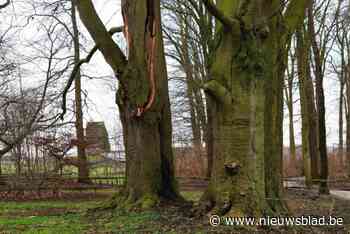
218	91
295	14
227	21
77	68
5	4
110	50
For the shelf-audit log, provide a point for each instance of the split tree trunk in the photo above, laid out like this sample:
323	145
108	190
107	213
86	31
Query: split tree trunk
142	99
148	137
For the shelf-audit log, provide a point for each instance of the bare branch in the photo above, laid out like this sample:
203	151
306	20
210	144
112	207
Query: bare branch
227	21
110	50
5	4
77	68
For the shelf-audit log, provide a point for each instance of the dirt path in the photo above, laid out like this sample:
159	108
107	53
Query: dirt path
299	182
195	184
341	194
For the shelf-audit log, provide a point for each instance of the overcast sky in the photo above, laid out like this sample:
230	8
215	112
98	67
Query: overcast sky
101	96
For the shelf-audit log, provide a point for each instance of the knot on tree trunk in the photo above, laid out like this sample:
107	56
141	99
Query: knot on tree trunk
232	168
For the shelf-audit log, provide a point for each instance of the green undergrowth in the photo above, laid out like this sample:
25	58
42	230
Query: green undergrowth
71	217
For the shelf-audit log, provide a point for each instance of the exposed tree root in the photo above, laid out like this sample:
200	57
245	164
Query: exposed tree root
127	201
225	205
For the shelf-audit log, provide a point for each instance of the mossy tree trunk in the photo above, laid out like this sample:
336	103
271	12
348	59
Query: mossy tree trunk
277	43
142	99
246	92
301	63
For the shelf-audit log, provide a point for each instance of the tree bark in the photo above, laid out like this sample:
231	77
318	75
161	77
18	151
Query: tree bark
150	172
341	122
347	92
83	170
320	100
142	99
342	81
209	137
276	50
247	99
290	105
302	62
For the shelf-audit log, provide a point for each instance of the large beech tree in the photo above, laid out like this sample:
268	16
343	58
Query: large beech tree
142	98
246	92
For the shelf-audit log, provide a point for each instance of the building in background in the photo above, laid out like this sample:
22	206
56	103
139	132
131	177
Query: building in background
96	137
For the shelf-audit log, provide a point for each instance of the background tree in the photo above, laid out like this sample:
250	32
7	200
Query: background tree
289	97
83	170
320	54
190	42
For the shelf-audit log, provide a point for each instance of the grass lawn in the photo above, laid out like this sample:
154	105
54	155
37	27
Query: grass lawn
44	217
65	217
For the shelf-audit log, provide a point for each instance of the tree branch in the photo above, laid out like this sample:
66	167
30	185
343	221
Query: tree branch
227	21
295	14
218	91
77	68
110	50
5	4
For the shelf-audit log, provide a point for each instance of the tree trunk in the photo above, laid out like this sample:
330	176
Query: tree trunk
290	106
191	91
276	50
231	90
342	82
341	124
309	114
291	126
320	100
209	138
83	170
246	92
302	74
148	136
312	122
18	153
347	83
142	99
